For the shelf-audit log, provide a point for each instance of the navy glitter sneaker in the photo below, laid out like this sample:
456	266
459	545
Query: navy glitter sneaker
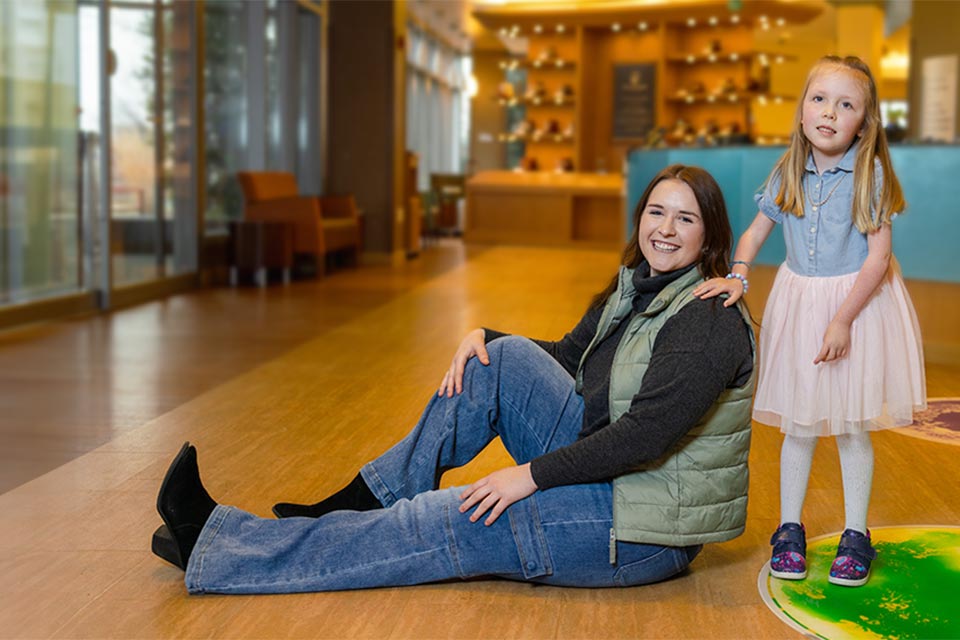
851	568
789	560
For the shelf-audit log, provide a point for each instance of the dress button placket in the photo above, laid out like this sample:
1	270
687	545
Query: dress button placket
812	241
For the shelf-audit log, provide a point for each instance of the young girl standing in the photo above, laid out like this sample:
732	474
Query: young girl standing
840	351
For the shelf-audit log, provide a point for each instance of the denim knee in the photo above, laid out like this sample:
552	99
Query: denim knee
512	346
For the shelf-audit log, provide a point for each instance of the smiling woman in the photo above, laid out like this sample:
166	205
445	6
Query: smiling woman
612	413
671	227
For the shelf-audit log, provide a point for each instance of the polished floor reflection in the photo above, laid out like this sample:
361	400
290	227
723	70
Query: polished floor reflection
68	387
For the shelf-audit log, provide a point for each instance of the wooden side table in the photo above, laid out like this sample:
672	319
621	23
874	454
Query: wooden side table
259	246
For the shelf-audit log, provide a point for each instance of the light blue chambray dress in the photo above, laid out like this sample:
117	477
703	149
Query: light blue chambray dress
881	382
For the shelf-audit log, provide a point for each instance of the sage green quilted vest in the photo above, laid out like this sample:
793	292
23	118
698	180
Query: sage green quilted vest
696	492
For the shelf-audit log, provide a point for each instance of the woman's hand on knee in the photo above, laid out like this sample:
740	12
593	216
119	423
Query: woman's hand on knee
472	345
497	491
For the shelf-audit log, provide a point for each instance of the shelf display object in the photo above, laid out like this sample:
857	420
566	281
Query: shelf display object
547	130
715	81
708	79
509	94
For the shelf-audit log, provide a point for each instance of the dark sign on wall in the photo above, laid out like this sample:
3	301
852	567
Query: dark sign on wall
634	93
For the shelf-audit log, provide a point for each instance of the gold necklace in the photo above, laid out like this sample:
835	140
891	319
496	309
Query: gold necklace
815	204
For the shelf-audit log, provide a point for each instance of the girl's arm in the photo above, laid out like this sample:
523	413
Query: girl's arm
836	339
747	249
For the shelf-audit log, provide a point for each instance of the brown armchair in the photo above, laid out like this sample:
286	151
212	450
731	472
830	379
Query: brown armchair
272	196
342	225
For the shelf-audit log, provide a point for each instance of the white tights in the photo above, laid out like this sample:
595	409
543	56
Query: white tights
856	467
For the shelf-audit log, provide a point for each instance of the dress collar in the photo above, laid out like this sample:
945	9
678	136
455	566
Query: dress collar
846	163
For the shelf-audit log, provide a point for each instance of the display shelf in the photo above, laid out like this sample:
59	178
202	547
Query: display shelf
537	102
549	139
730	57
549	101
540	65
706	74
734	98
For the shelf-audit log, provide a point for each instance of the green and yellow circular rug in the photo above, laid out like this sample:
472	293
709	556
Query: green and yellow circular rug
939	423
913	592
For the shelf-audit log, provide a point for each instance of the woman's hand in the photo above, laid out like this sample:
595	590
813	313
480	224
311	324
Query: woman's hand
472	345
713	287
497	491
836	342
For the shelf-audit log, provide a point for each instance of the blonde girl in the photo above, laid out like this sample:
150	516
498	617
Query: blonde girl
840	350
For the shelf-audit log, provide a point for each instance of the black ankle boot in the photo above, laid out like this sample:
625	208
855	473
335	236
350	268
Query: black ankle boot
356	496
185	507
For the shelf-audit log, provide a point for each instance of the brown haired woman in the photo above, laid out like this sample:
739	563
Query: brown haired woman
630	437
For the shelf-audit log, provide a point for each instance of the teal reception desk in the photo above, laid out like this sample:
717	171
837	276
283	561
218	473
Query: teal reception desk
925	238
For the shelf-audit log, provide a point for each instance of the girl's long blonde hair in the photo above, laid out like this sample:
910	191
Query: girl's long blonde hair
873	146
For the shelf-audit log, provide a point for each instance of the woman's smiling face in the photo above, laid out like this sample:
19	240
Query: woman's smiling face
671	230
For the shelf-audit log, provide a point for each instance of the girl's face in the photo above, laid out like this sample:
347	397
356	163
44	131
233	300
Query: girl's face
671	230
834	108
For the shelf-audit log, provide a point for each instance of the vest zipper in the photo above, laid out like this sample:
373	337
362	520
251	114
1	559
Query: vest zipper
613	547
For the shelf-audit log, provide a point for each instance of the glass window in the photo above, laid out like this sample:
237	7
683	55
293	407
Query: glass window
309	147
281	131
153	229
274	83
134	177
225	121
179	210
40	226
438	106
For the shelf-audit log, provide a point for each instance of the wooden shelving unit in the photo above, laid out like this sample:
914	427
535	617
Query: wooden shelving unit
709	77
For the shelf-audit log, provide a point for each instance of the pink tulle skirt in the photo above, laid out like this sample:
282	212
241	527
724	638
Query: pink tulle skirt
878	385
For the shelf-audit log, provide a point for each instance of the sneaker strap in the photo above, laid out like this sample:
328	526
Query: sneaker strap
857	545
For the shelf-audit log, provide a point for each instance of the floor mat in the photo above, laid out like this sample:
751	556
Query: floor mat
912	591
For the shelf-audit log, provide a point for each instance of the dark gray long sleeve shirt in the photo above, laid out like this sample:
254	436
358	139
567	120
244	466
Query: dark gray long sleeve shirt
699	352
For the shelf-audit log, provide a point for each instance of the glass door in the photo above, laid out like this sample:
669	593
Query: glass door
150	232
97	153
138	232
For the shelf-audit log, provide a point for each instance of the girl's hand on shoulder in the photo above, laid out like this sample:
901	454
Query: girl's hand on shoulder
836	342
472	345
497	491
718	286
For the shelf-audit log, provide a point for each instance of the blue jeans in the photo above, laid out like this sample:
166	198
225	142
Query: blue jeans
558	536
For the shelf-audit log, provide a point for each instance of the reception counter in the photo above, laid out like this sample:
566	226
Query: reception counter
544	208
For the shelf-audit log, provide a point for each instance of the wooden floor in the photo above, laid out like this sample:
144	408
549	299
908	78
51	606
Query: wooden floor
286	392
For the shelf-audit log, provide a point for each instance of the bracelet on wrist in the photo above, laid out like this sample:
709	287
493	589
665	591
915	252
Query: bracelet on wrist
743	262
742	279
